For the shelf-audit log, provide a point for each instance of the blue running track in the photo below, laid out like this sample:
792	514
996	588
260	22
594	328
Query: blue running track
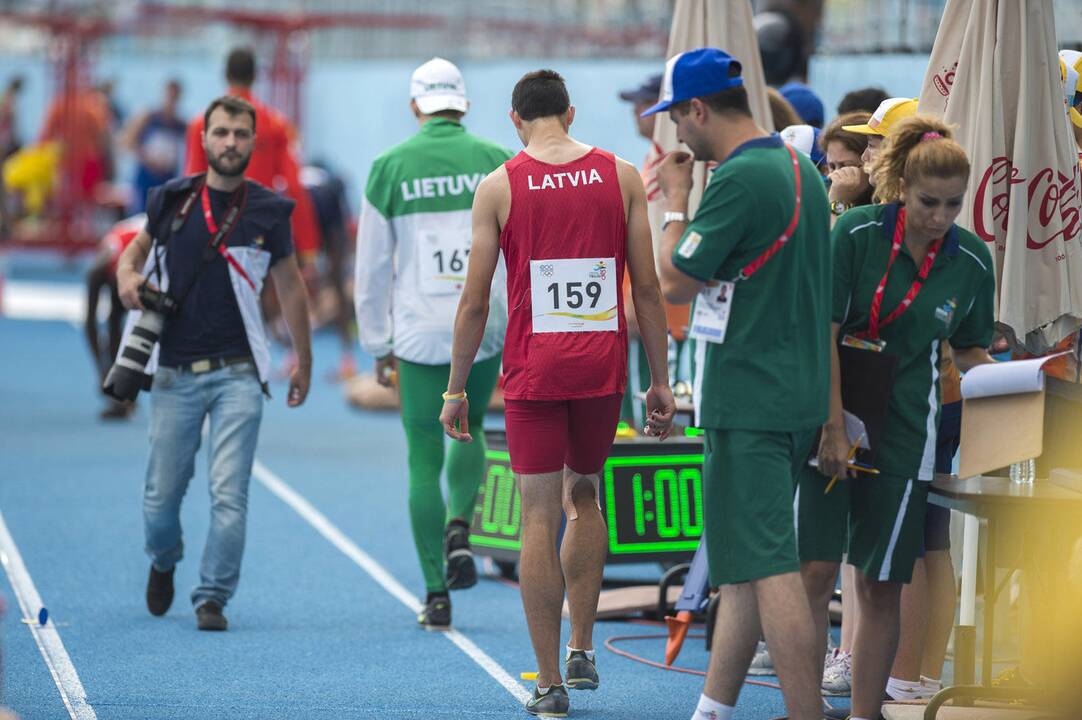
312	635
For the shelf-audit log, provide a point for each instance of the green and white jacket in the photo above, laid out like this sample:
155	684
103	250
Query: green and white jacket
413	242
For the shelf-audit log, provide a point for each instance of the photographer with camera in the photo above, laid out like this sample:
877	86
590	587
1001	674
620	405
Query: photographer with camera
199	325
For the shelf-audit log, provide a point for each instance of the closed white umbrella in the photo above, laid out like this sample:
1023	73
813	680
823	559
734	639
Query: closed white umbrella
994	74
708	23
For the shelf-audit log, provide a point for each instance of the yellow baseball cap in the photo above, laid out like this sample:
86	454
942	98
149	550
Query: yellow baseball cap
1070	72
885	117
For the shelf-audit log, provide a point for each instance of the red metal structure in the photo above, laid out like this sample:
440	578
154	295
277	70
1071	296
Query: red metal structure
71	221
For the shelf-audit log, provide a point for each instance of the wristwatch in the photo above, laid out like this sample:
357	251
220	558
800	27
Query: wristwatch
671	217
838	207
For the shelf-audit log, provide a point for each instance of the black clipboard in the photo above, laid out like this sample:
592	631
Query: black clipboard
867	381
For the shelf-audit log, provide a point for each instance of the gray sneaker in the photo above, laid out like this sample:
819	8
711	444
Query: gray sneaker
581	671
838	674
553	703
761	664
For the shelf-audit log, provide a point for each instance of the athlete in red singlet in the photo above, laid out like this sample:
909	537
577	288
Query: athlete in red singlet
567	218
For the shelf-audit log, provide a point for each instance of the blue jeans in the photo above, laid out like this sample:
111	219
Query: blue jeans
232	398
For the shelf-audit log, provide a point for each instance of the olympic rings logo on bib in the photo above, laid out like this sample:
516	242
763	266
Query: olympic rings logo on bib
574	295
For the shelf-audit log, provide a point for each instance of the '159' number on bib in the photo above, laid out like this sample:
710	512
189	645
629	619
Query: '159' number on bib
575	295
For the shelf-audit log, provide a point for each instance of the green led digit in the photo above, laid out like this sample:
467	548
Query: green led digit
636	493
489	524
691	484
666	493
511	528
510	506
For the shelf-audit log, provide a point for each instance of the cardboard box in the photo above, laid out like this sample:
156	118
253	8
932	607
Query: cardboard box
1000	430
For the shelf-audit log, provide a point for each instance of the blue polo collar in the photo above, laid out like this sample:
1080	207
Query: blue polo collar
951	244
764	143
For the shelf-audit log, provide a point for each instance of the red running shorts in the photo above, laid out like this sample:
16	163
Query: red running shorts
545	435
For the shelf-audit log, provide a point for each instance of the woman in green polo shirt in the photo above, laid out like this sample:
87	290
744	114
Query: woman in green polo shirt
906	279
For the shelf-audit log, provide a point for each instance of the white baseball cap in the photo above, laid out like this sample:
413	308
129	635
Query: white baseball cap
438	85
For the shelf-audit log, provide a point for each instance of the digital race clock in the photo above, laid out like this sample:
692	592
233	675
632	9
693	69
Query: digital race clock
651	498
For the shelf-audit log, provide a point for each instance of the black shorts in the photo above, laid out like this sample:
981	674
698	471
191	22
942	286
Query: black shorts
937	520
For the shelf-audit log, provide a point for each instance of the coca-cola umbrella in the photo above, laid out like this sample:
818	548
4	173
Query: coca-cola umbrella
995	76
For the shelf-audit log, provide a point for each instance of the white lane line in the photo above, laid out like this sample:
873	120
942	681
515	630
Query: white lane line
47	638
387	581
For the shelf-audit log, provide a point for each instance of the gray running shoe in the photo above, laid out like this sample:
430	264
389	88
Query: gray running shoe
761	664
553	703
838	674
581	671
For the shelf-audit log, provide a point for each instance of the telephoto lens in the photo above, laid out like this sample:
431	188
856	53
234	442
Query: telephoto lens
128	374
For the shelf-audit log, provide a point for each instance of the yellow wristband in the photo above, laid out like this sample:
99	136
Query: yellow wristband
454	397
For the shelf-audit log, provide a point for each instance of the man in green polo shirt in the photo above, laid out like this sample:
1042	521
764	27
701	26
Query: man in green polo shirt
756	261
413	245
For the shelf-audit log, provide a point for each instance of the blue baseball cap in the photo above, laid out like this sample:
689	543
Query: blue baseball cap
697	73
804	100
647	92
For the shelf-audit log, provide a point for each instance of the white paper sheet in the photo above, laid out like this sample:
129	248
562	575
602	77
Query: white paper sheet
1007	378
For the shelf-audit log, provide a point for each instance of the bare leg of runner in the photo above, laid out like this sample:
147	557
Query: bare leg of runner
875	643
541	581
736	632
582	555
791	636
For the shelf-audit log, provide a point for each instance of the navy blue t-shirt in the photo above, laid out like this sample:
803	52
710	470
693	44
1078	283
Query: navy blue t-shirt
209	324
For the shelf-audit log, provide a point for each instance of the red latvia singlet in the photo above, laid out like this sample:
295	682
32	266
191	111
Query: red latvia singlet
564	244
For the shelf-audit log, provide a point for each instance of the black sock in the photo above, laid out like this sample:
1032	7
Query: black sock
458	523
442	595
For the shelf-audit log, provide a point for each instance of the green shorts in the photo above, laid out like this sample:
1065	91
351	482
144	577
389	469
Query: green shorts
748	484
878	520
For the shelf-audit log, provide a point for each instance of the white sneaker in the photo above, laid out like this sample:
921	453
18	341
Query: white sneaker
838	674
761	664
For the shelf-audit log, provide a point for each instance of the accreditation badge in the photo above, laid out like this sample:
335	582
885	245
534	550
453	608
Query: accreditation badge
710	319
864	343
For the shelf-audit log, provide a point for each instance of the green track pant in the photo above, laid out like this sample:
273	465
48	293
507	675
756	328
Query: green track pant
421	388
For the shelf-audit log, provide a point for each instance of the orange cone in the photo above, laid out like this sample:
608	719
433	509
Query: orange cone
678	630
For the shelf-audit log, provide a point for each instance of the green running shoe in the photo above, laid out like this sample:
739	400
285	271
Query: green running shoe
581	671
553	703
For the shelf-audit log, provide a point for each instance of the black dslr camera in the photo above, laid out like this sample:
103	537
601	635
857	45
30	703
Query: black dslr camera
128	374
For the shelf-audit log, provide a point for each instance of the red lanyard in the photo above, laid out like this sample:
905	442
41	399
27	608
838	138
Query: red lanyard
874	325
755	265
220	235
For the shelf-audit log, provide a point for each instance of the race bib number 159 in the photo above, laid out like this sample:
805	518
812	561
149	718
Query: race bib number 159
577	295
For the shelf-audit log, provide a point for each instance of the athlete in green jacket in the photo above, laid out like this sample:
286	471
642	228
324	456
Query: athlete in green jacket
413	244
